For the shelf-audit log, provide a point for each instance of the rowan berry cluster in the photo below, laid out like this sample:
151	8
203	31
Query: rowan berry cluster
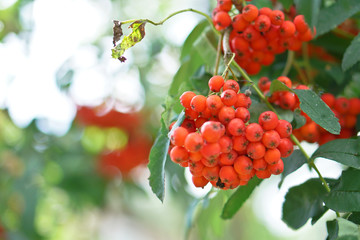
219	144
346	110
259	34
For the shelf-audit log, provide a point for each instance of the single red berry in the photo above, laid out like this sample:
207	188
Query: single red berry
256	150
265	11
185	98
284	128
229	97
198	103
342	105
193	142
226	114
189	125
271	139
243	114
239	44
272	156
236	127
288	100
214	103
250	12
199	182
277	17
211	173
285	80
262	23
228	174
211	151
224	5
221	20
300	24
285	147
178	136
226	144
354	107
212	131
251	34
268	120
253	68
231	85
196	168
243	165
242	101
287	29
228	158
259	164
239	23
276	168
259	44
195	156
215	83
240	143
263	174
191	114
329	99
178	154
254	132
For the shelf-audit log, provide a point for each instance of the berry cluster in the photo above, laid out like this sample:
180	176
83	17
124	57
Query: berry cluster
259	34
220	146
346	110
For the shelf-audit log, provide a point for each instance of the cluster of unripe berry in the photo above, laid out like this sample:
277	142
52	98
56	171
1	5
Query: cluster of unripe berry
259	34
346	110
220	146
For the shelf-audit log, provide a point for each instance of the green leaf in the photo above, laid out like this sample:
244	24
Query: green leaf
302	203
345	151
318	111
334	15
190	217
299	120
200	79
332	229
348	230
238	198
351	55
276	85
286	3
355	217
206	46
345	196
292	163
262	3
137	34
188	45
335	72
310	9
158	156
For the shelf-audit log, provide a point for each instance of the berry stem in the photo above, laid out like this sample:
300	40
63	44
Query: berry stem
289	62
208	18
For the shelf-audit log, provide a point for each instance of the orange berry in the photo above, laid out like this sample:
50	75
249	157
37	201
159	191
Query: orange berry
195	156
215	83
193	142
221	20
236	127
272	156
214	103
243	165
178	154
250	12
284	128
285	80
226	144
287	29
198	103
276	168
243	114
239	23
255	150
342	105
229	97
211	151
196	168
185	98
199	182
354	107
242	101
240	143
212	131
231	85
271	139
262	23
263	174
254	132
277	17
227	174
178	136
268	120
226	114
285	147
228	158
259	164
300	24
211	173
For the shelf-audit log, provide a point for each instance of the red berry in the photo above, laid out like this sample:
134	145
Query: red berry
271	139
285	147
243	114
243	165
199	181
178	154
236	127
216	83
256	150
268	120
277	17
211	151
272	156
287	29
193	142
228	158
185	98
254	132
221	20
198	103
229	97
231	85
212	131
300	24
226	114
250	12
262	23
284	128
178	136
276	168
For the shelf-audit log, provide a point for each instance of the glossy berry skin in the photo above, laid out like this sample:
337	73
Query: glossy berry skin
198	103
285	147
276	168
228	174
236	127
268	120
231	85
211	151
178	136
243	165
212	131
300	24
256	150
216	83
262	23
271	139
284	128
199	182
193	142
185	98
221	20
254	132
277	17
250	12
178	154
229	97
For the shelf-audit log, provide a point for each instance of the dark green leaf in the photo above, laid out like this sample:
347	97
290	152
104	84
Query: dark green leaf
292	163
351	55
345	196
318	111
303	202
158	156
345	151
332	229
188	45
337	13
335	72
286	3
310	9
355	217
200	80
137	34
238	198
299	120
255	110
